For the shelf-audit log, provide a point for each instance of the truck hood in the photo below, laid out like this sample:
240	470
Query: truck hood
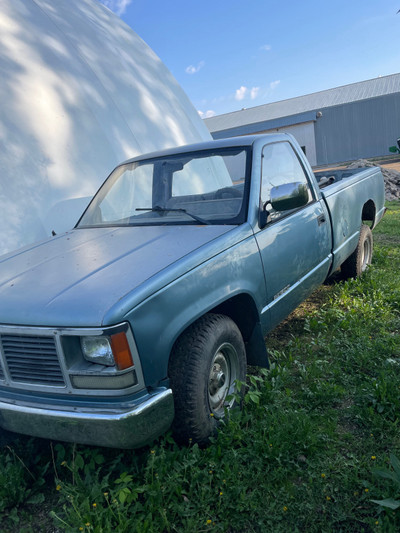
75	278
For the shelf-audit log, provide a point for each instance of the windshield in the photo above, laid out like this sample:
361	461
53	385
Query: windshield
206	187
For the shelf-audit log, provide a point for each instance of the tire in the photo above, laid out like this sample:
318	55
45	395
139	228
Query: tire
361	258
205	363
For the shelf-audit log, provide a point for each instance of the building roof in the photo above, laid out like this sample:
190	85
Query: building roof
354	92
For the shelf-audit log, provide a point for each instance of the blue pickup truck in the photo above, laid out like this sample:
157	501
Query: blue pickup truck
145	315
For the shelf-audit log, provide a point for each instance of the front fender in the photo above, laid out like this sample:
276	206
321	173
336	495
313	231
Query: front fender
159	320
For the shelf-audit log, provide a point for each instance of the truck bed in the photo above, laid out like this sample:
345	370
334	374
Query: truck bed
328	177
346	210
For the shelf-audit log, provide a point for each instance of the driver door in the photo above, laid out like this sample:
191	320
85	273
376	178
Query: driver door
295	245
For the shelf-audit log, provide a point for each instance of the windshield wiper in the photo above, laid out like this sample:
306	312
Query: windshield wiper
159	209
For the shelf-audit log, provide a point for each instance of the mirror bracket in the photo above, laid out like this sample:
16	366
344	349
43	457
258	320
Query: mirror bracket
264	216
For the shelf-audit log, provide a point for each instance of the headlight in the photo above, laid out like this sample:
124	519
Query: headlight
98	350
108	351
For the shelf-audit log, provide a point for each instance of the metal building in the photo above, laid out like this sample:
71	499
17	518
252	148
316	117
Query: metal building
355	121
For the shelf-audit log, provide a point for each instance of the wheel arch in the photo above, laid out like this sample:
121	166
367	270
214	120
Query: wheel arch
369	213
242	309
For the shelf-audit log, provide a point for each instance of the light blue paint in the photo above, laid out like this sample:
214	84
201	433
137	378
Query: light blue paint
161	278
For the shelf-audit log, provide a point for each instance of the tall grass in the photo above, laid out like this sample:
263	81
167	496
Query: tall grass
313	449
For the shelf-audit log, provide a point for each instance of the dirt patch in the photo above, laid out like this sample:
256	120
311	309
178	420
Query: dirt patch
391	166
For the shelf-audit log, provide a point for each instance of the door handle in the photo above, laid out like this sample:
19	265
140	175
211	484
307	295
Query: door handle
321	219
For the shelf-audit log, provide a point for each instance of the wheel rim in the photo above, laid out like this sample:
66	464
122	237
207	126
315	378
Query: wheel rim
223	374
366	257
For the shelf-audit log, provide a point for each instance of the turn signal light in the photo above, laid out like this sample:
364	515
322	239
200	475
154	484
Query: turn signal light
121	351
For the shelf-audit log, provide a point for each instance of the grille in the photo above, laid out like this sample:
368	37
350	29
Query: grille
32	359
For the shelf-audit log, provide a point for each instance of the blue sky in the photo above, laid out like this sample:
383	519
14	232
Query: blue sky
228	55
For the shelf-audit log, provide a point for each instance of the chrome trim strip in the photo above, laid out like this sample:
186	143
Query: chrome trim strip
46	330
293	287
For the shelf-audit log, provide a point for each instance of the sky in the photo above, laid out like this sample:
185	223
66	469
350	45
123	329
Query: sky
231	54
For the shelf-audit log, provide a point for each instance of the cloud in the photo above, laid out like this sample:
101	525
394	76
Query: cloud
254	92
208	114
274	84
241	93
266	47
191	69
118	6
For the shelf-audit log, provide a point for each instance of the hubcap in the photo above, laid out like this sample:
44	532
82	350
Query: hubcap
223	373
366	255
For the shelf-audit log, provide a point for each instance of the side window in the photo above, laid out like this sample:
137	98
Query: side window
280	166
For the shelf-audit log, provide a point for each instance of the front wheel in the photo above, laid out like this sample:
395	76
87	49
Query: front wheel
205	364
361	258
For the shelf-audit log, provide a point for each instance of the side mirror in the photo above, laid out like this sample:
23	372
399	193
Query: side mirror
289	196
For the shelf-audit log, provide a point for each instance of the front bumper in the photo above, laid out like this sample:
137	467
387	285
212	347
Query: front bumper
117	429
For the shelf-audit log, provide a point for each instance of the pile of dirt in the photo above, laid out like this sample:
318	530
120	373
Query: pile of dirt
391	177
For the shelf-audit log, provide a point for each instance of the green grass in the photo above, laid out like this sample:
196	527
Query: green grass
304	454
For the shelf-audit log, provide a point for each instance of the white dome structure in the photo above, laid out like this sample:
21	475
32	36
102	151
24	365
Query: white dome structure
80	92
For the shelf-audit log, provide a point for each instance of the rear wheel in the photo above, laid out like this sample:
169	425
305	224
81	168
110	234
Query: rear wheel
361	258
205	364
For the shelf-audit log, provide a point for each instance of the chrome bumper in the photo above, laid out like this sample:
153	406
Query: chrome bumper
125	429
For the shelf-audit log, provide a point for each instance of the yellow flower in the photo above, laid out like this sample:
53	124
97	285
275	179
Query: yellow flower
323	476
377	523
87	524
210	471
270	445
153	452
221	493
58	487
285	509
64	463
211	414
373	457
366	490
328	498
208	522
95	505
81	529
224	481
105	494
